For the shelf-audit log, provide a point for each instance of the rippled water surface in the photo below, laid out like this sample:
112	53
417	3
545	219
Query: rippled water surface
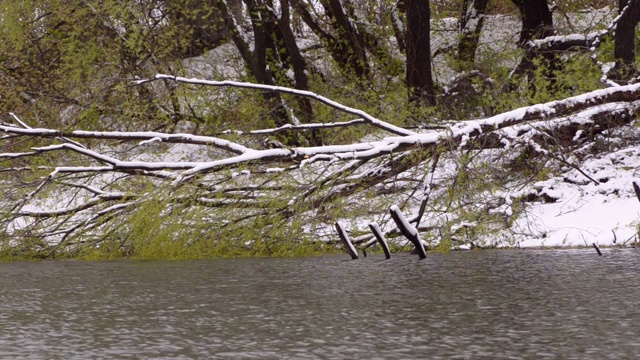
491	304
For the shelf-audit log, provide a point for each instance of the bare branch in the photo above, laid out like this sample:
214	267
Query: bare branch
17	119
137	136
280	89
72	210
289	127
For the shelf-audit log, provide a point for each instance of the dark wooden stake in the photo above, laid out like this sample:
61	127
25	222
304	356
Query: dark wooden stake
375	229
346	241
407	230
597	249
636	188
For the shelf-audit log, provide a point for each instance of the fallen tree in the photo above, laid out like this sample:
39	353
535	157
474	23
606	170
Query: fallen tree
121	191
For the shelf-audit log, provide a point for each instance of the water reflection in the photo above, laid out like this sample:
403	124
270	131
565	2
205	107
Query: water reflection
506	304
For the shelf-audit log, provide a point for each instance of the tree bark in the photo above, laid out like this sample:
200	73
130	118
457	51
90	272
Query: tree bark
349	40
418	42
398	25
256	59
537	22
299	66
342	49
470	29
624	51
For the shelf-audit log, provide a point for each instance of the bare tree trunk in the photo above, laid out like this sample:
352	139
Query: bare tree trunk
470	29
418	42
398	25
256	59
625	39
346	45
349	39
368	40
299	66
537	23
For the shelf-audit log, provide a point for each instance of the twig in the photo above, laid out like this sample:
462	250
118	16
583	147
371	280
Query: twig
576	167
15	117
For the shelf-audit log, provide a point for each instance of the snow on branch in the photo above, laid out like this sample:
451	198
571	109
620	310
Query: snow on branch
307	155
283	181
19	121
289	127
409	138
551	111
628	7
137	136
72	210
15	155
280	89
590	41
566	42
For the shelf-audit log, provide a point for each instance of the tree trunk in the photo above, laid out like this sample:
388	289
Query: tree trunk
299	66
418	42
537	22
349	40
256	60
398	25
343	50
625	40
470	28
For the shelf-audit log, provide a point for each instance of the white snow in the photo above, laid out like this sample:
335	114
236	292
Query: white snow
395	209
342	229
585	212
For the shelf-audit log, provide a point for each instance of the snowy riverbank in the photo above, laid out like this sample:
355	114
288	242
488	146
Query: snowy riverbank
583	212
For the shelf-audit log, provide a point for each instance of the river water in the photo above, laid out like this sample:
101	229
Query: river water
568	304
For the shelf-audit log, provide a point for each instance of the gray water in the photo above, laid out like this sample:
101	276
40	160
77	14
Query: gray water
467	305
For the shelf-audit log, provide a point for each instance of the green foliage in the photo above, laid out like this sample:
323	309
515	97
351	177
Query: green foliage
467	203
68	65
162	228
578	75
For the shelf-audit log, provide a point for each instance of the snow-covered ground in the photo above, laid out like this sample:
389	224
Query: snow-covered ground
584	213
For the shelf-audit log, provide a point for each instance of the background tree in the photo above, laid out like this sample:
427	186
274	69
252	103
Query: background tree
418	43
624	53
537	23
343	40
471	24
201	24
274	52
